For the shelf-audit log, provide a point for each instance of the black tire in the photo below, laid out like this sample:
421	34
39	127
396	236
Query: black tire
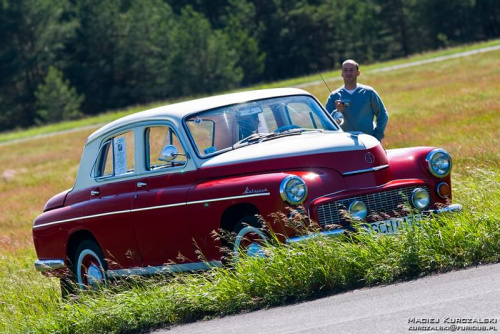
89	267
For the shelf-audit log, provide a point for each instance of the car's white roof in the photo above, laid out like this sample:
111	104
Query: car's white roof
177	111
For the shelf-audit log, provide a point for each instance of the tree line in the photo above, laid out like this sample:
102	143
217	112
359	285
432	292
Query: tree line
62	59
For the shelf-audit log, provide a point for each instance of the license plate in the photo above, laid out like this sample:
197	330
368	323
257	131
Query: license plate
393	225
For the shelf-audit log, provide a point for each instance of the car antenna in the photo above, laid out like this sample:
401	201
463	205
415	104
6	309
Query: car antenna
316	67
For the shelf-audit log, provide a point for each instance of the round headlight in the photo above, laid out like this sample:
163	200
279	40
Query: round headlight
439	162
420	198
293	190
357	210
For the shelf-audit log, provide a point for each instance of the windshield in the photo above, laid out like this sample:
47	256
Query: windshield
220	129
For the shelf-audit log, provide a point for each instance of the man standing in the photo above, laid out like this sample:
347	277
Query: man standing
359	104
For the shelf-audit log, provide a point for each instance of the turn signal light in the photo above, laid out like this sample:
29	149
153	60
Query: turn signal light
443	190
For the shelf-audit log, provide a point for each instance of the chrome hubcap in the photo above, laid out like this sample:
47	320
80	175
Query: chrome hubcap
94	276
90	274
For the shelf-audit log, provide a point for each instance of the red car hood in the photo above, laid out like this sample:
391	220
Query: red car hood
342	151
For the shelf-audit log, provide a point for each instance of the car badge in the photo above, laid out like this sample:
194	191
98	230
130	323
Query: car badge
369	157
249	191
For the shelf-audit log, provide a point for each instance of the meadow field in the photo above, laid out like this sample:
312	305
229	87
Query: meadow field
453	104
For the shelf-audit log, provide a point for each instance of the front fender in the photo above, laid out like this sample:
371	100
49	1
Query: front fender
210	198
408	163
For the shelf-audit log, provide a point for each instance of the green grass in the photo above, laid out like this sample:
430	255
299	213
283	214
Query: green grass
450	104
298	272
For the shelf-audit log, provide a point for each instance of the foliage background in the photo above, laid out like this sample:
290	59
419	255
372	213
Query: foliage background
119	53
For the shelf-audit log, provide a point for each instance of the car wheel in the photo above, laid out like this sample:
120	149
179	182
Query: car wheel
89	266
249	238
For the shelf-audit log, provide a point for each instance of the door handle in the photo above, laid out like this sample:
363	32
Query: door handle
95	193
141	184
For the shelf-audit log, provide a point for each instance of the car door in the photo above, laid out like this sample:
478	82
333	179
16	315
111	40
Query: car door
159	206
107	211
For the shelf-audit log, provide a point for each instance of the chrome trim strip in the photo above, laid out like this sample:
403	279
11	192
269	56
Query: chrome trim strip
227	198
151	208
158	207
169	269
373	169
82	217
47	265
198	202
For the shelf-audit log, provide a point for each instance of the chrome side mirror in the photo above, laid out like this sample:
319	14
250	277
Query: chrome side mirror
339	118
168	153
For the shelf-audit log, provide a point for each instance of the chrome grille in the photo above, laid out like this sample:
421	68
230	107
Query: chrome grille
380	202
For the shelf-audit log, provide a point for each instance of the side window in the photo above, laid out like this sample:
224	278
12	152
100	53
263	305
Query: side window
116	156
164	148
108	160
103	166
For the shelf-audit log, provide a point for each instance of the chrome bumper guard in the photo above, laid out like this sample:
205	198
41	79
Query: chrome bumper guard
337	232
449	208
48	265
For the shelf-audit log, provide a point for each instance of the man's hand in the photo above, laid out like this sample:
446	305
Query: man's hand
339	106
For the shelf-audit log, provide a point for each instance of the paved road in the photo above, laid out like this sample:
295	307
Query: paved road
400	308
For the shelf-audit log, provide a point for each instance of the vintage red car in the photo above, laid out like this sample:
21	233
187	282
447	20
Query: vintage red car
153	186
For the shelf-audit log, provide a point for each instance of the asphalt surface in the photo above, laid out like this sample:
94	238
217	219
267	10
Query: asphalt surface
464	301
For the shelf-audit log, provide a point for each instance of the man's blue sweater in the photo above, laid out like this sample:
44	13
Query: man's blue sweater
364	106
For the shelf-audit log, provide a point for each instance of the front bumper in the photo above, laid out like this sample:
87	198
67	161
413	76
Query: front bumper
340	231
449	208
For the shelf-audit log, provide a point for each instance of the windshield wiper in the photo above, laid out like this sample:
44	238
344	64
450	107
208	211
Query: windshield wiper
311	130
259	137
252	139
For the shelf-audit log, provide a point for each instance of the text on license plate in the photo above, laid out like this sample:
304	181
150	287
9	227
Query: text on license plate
393	225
